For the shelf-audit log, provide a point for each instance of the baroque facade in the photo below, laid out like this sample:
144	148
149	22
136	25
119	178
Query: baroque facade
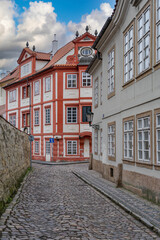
126	99
51	93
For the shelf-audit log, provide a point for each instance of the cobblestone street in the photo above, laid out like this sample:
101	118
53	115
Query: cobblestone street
55	204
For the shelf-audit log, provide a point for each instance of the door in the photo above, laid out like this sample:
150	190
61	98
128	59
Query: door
86	148
48	151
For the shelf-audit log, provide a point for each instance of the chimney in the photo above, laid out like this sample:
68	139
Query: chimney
54	45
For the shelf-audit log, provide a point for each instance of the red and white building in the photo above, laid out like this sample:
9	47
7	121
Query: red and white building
61	94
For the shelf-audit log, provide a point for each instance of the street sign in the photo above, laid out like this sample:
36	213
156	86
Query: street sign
51	140
31	138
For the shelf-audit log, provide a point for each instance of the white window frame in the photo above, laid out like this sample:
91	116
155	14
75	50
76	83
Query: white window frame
101	88
12	119
86	79
143	47
36	88
25	69
157	139
101	142
36	117
36	147
12	96
48	84
71	80
48	147
128	54
111	70
96	92
71	147
111	140
72	114
47	115
141	141
128	139
157	31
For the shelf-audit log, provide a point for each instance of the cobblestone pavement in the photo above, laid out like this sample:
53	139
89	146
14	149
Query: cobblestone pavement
55	204
146	211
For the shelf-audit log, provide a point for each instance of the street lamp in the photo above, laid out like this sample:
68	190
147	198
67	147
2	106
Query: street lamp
89	116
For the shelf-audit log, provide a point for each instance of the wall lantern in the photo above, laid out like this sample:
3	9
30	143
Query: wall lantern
89	116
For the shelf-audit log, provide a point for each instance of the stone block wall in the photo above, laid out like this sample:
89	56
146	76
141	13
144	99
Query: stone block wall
14	158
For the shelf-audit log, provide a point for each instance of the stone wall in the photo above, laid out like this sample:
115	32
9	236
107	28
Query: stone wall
14	158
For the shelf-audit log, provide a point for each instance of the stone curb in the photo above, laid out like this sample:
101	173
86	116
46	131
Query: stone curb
131	212
10	207
58	163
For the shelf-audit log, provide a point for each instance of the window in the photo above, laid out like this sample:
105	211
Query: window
96	141
71	81
101	142
12	96
128	140
144	41
36	88
85	110
36	117
37	147
47	147
48	84
26	91
101	87
158	138
157	30
143	128
111	140
71	114
72	147
12	119
26	119
26	69
86	51
128	55
111	71
48	115
86	79
96	93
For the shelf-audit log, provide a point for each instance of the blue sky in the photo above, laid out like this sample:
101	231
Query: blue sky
38	21
69	10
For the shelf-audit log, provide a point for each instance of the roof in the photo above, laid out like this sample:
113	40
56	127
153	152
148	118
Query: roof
39	55
105	26
12	75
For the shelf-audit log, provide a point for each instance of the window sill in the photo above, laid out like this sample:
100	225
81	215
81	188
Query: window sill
72	88
144	74
148	165
47	124
129	83
129	162
36	125
110	95
48	91
86	86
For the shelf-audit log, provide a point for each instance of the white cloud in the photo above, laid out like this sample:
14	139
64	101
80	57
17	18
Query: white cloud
95	20
37	25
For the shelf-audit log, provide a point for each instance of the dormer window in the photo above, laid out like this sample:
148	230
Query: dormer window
26	69
86	51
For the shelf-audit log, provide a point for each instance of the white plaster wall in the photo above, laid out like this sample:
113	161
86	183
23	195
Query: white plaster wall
40	64
2	96
85	128
37	129
69	93
86	92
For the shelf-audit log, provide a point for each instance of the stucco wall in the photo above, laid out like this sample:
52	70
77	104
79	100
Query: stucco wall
14	158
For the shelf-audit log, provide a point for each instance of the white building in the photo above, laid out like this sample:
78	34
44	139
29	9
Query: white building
126	98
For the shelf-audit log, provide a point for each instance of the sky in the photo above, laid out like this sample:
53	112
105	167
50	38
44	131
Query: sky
38	21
